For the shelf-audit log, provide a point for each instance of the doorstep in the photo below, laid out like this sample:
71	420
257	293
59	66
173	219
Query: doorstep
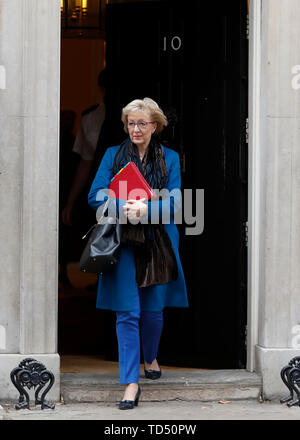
179	384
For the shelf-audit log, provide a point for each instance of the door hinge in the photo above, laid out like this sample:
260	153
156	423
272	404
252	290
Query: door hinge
247	130
245	224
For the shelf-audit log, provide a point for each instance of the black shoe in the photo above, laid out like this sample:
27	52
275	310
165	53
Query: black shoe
152	374
130	404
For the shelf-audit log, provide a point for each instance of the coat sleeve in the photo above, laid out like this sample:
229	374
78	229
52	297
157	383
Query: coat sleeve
165	209
98	193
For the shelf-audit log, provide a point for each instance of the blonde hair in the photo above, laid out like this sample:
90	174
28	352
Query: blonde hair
146	104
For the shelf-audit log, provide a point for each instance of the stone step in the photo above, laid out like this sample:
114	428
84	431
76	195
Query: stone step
196	385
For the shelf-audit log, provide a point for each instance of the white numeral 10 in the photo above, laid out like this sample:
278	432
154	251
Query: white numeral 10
175	43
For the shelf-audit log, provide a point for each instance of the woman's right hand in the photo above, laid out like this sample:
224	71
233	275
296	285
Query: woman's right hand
134	209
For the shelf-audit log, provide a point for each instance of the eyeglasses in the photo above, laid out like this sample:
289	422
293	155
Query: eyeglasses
141	125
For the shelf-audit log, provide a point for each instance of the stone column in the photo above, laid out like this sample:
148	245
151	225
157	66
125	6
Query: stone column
279	143
29	127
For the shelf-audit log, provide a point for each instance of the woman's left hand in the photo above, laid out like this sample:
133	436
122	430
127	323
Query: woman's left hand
133	209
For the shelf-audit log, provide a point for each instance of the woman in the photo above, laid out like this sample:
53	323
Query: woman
149	274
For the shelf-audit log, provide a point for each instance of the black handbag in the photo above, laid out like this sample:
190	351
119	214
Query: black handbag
102	251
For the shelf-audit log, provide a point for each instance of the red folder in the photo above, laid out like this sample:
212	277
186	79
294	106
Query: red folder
129	183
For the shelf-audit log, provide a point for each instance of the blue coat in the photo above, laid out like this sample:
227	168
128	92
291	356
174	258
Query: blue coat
117	290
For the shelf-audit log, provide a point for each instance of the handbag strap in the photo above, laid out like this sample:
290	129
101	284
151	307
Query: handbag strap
104	209
99	221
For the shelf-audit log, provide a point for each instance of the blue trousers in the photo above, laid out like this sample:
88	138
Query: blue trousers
128	326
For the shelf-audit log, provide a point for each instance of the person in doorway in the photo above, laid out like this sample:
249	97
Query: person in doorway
149	275
85	146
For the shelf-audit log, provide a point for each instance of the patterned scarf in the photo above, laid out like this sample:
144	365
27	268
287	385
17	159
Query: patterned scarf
155	260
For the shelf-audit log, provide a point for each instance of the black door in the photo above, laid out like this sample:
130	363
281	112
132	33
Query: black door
191	57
